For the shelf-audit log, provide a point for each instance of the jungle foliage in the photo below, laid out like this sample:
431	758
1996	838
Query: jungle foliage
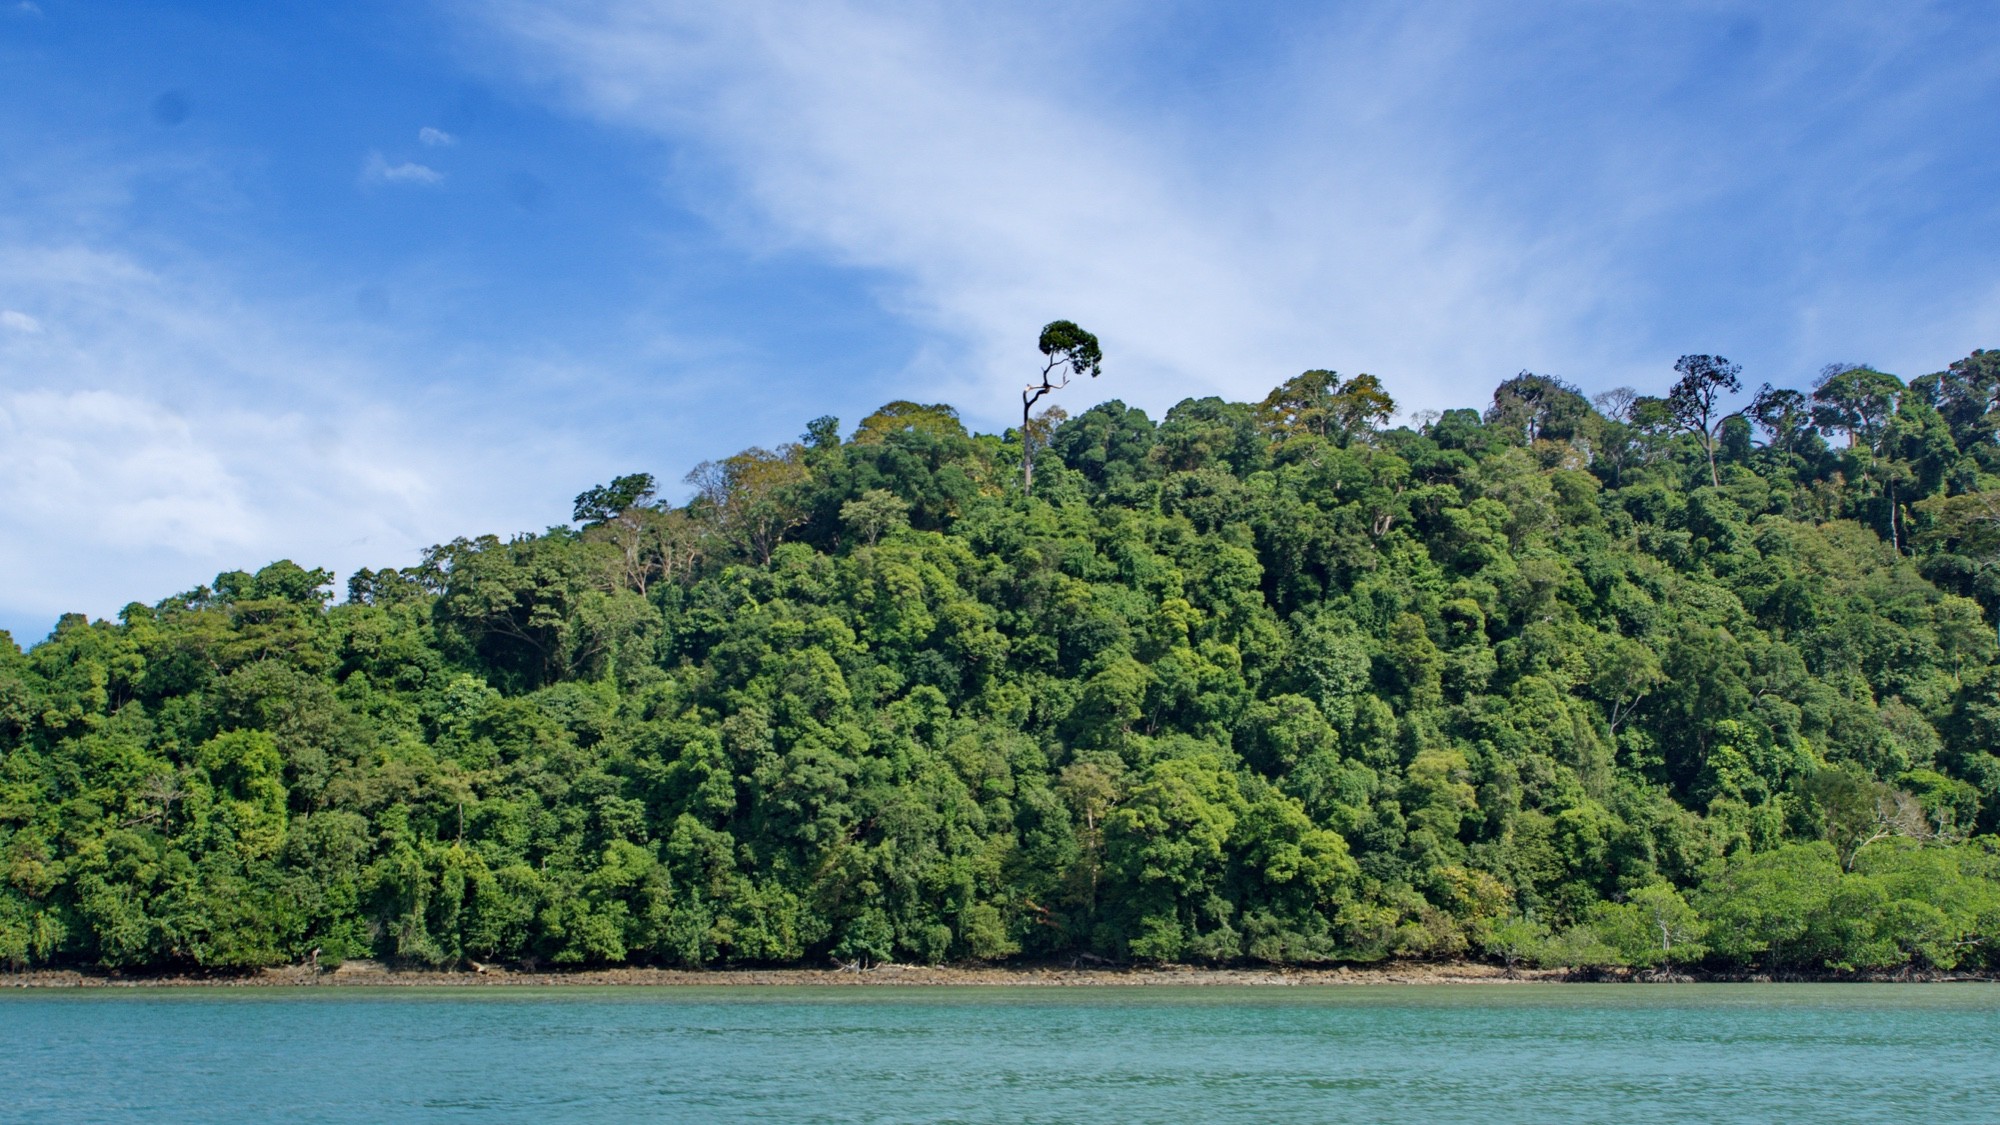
1634	682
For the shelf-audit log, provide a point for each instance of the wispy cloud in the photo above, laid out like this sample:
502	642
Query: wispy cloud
377	170
913	145
433	137
1440	193
159	429
124	471
860	202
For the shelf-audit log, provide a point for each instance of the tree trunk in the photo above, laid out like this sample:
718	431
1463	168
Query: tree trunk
1895	538
1027	449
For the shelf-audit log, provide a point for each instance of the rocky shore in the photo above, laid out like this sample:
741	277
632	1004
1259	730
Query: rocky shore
373	974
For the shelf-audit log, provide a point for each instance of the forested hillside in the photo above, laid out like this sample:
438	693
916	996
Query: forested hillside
1632	682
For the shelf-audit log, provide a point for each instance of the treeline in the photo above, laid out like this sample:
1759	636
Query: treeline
1637	681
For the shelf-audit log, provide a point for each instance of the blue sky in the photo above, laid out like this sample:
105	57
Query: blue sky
334	282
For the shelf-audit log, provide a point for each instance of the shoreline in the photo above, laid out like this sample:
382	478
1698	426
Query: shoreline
371	974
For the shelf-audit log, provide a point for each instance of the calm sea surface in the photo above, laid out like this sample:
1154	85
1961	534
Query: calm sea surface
1920	1053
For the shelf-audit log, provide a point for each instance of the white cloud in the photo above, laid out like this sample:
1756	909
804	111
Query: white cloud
1439	193
161	429
958	159
377	169
435	138
15	321
1334	201
28	8
116	471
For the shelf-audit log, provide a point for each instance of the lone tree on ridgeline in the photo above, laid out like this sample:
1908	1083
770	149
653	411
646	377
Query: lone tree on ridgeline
1695	402
1067	350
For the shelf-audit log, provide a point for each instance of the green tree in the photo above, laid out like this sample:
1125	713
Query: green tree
1539	408
937	419
1771	906
1518	940
1321	404
751	499
1861	403
1694	404
874	512
1653	926
1066	351
607	501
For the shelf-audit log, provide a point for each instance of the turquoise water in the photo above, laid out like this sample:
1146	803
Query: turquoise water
1418	1054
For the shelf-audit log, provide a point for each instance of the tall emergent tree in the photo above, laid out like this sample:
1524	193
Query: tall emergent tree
1537	407
1067	350
608	501
1862	403
1318	403
1694	402
1785	415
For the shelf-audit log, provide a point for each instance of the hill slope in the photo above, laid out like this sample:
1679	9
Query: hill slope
1258	682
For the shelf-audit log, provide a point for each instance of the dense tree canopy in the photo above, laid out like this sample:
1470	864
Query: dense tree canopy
1637	683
